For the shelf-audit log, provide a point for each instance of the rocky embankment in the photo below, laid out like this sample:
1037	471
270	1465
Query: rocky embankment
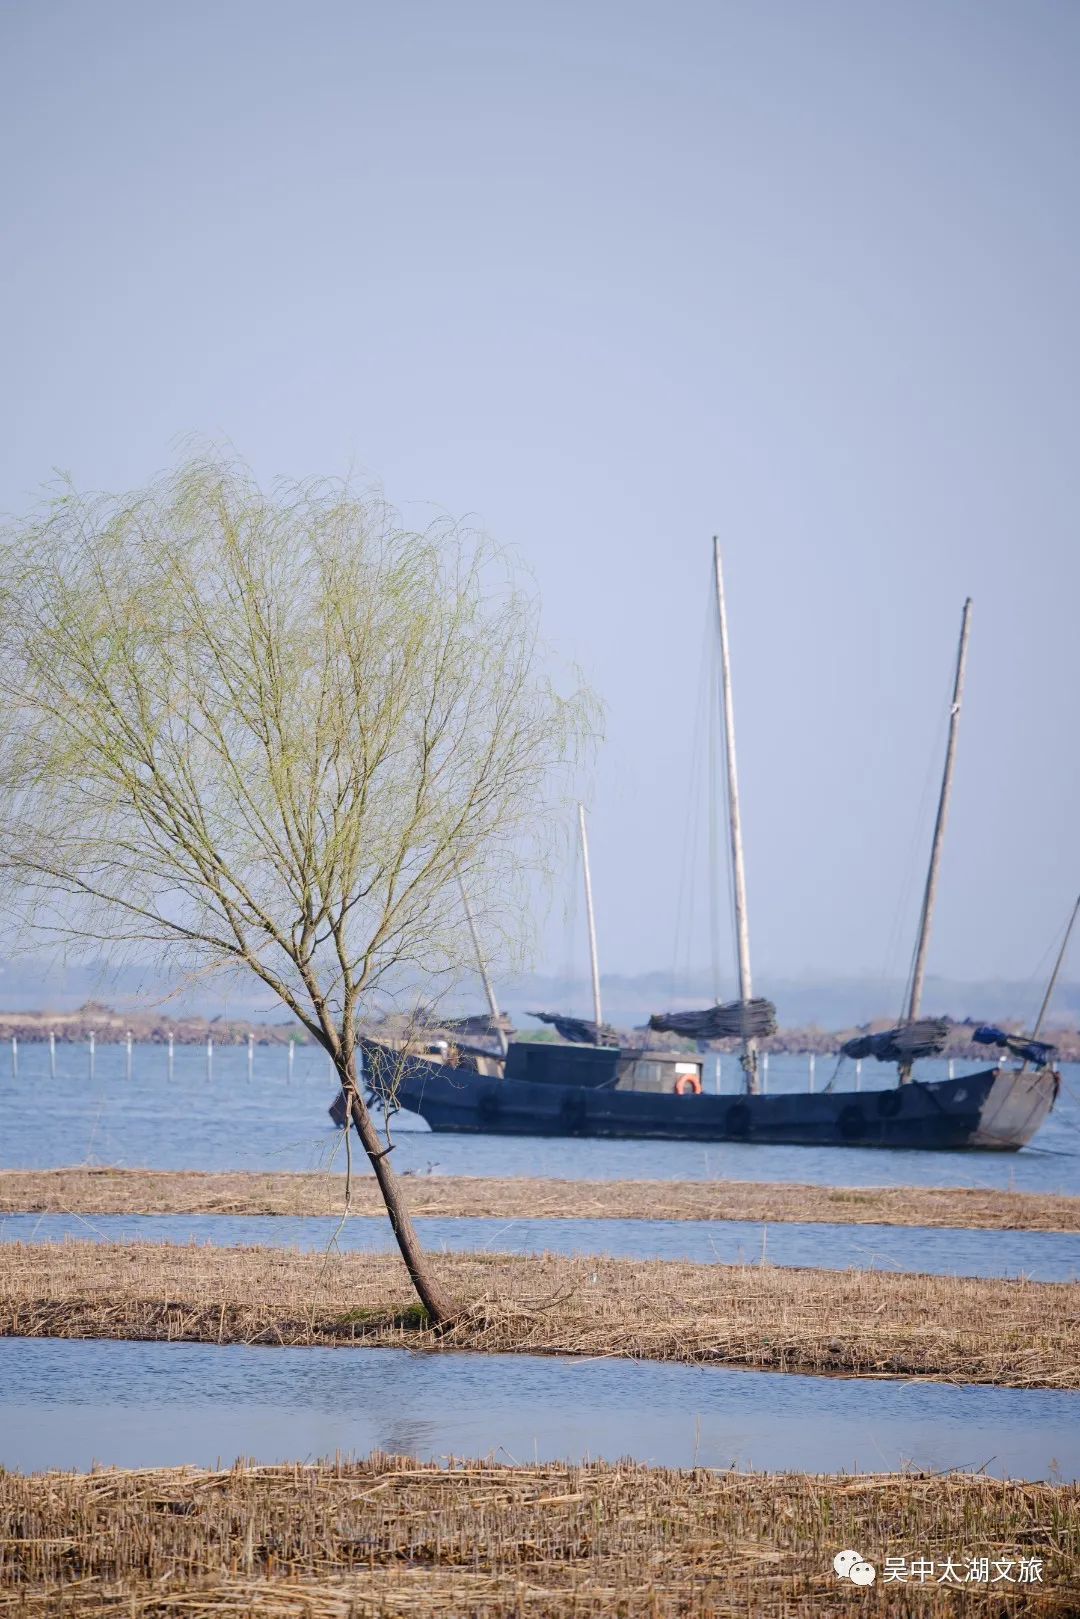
110	1026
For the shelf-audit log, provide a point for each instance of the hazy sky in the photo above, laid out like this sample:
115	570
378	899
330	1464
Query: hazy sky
612	277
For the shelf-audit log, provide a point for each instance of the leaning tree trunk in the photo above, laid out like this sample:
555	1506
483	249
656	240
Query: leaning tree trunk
434	1297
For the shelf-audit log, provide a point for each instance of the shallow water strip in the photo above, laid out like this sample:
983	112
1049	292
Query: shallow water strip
1041	1256
70	1404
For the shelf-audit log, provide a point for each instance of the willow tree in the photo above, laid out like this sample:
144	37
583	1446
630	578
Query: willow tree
267	731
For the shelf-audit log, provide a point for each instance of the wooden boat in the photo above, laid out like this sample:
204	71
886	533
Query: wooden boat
595	1089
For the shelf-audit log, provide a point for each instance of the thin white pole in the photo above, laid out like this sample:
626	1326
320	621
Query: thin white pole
952	1069
14	1056
251	1055
127	1064
742	926
1045	1007
764	1072
209	1056
598	1015
858	1074
719	1074
91	1053
290	1060
811	1074
170	1054
926	916
489	988
52	1053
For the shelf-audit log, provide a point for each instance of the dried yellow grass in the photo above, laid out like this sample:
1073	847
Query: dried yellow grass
1015	1333
389	1536
148	1191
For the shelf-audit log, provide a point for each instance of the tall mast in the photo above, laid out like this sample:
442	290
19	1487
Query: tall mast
489	988
918	971
1045	1007
742	927
597	1013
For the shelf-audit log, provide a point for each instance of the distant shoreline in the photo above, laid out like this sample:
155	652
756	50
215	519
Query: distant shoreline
113	1028
110	1027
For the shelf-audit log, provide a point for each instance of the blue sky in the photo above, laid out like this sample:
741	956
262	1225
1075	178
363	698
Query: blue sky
609	279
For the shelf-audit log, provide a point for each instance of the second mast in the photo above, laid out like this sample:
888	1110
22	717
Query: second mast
749	1058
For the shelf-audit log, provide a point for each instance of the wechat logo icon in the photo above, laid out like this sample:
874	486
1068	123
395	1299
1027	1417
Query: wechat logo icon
854	1567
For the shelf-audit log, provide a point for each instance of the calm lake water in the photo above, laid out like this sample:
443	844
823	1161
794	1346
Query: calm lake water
70	1404
277	1120
1039	1255
129	1404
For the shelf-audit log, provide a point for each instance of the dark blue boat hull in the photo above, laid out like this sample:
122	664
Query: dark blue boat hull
995	1110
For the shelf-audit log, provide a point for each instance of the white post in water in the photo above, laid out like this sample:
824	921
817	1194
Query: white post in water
127	1064
14	1056
170	1054
858	1074
811	1073
598	1016
742	926
52	1053
719	1074
918	970
209	1056
952	1069
91	1053
764	1073
251	1056
289	1064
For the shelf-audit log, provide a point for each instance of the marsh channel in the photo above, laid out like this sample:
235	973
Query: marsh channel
72	1403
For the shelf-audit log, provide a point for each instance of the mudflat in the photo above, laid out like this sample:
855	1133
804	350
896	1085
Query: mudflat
1013	1333
388	1535
84	1190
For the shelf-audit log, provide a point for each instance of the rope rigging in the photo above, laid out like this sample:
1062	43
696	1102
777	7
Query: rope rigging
689	886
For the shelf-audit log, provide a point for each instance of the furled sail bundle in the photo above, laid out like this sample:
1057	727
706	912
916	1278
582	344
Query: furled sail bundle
920	1037
482	1023
737	1020
1036	1052
580	1031
475	1023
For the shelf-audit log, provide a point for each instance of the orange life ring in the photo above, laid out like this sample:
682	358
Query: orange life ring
687	1082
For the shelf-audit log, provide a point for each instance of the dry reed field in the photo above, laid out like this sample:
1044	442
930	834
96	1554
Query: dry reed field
1014	1333
389	1536
145	1191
